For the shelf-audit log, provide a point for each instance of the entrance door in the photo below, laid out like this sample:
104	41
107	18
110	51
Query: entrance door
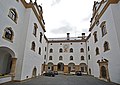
103	72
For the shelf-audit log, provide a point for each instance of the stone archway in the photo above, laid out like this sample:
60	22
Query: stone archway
104	72
83	68
7	61
50	66
71	67
60	67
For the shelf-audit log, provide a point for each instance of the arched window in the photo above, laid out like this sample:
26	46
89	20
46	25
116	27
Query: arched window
71	57
40	50
95	36
97	51
33	46
60	50
60	58
8	34
51	50
103	28
81	50
82	57
50	57
13	14
71	50
35	29
106	46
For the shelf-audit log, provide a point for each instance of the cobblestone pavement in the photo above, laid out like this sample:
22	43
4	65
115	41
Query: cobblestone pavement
62	80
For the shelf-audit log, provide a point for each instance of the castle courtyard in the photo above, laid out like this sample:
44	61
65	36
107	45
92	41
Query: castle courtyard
62	80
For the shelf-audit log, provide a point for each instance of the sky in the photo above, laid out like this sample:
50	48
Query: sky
66	16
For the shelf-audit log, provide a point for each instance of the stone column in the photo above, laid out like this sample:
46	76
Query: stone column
76	67
13	67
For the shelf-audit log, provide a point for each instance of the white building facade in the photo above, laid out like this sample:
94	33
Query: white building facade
66	55
21	42
104	40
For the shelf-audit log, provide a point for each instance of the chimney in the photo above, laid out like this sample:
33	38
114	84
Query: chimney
68	36
83	35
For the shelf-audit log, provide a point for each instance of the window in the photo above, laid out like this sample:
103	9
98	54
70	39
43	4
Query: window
50	58
103	28
88	48
51	50
40	50
60	58
33	46
13	14
81	50
71	57
97	51
82	57
41	37
95	36
45	48
71	50
35	29
97	19
88	57
106	46
44	57
8	34
60	50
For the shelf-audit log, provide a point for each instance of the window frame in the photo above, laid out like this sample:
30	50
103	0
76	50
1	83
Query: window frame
12	34
13	15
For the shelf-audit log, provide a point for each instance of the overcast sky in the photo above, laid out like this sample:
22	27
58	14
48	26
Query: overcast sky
63	16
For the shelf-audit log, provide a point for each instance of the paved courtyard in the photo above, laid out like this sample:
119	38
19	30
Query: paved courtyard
62	80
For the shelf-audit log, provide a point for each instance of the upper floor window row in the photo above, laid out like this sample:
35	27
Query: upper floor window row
105	46
13	14
35	32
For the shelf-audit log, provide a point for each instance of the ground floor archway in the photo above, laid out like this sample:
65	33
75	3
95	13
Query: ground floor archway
7	61
71	67
50	66
83	68
60	67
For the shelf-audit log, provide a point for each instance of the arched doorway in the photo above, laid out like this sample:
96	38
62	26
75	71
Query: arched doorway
83	68
60	67
103	72
71	67
7	61
50	66
34	72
